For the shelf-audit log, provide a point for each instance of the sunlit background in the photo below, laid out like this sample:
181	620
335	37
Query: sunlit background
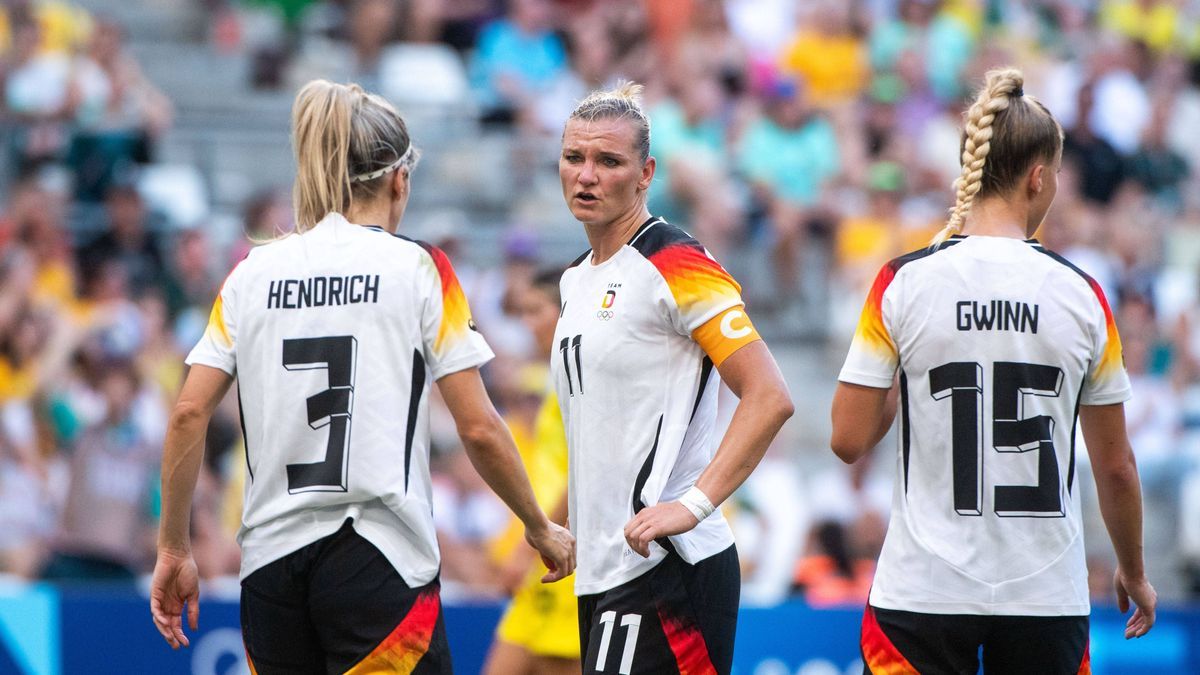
804	142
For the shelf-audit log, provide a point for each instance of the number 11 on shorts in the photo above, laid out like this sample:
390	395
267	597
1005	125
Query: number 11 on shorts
632	623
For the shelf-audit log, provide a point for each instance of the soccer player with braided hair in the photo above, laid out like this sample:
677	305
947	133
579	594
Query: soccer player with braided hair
993	348
649	327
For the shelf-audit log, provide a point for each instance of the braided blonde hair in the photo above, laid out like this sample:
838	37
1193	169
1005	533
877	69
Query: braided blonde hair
1004	132
623	102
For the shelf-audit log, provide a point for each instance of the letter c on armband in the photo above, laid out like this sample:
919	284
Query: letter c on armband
727	328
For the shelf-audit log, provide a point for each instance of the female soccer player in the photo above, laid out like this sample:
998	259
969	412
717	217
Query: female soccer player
998	344
334	335
649	326
539	633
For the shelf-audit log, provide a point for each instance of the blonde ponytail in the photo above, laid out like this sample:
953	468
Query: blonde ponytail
345	141
1004	132
321	121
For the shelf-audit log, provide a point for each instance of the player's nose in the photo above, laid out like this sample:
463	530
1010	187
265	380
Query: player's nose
587	173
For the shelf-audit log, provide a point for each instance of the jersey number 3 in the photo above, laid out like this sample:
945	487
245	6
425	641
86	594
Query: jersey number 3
962	383
330	407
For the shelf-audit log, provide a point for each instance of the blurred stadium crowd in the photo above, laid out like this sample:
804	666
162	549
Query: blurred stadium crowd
804	142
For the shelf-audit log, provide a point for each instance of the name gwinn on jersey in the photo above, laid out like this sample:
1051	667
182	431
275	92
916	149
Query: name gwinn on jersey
992	367
636	342
335	336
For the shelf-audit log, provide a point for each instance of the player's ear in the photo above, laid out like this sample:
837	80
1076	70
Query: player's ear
400	183
1036	180
647	174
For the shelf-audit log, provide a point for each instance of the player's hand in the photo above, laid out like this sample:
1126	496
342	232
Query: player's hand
656	521
556	545
176	583
1144	599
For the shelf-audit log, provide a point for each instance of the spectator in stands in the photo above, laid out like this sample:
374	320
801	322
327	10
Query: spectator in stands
1121	109
590	52
39	96
119	115
1156	23
828	55
372	25
354	52
107	530
692	185
708	48
189	282
37	220
1154	415
1100	167
943	40
1157	167
127	240
518	57
455	23
788	156
865	241
832	571
265	215
468	516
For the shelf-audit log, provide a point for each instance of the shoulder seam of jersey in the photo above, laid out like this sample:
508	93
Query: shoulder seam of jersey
653	220
1093	285
1065	263
579	261
421	244
912	256
652	239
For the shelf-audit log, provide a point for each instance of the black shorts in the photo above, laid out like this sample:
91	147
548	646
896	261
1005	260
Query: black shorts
910	642
676	618
337	605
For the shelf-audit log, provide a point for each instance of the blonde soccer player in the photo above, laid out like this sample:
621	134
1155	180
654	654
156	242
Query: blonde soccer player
649	326
998	348
335	335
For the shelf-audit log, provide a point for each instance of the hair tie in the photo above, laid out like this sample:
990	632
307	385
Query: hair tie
364	177
1019	92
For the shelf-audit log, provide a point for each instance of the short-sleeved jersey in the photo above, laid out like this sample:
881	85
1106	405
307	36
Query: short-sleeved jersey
997	342
334	336
636	344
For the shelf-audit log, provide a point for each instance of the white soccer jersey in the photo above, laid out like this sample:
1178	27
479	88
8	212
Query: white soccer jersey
637	341
997	342
335	336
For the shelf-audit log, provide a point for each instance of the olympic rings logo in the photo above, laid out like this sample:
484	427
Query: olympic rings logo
605	315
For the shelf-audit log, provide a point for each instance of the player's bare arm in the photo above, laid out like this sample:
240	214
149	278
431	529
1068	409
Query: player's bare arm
861	417
176	582
1120	495
492	451
764	404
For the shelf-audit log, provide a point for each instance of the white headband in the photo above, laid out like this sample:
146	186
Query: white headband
364	177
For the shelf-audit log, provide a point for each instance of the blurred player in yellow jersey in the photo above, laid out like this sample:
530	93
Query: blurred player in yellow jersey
539	634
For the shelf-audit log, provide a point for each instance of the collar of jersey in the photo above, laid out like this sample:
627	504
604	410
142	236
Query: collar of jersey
960	237
653	220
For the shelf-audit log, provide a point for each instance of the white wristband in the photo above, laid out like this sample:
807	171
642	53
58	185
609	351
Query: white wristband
697	502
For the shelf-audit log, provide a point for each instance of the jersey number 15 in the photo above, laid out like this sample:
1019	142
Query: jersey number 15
962	382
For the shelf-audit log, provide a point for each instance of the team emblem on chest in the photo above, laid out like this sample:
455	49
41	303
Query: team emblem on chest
605	313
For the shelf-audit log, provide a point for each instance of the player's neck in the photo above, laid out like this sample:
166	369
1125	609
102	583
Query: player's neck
996	218
607	239
377	213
